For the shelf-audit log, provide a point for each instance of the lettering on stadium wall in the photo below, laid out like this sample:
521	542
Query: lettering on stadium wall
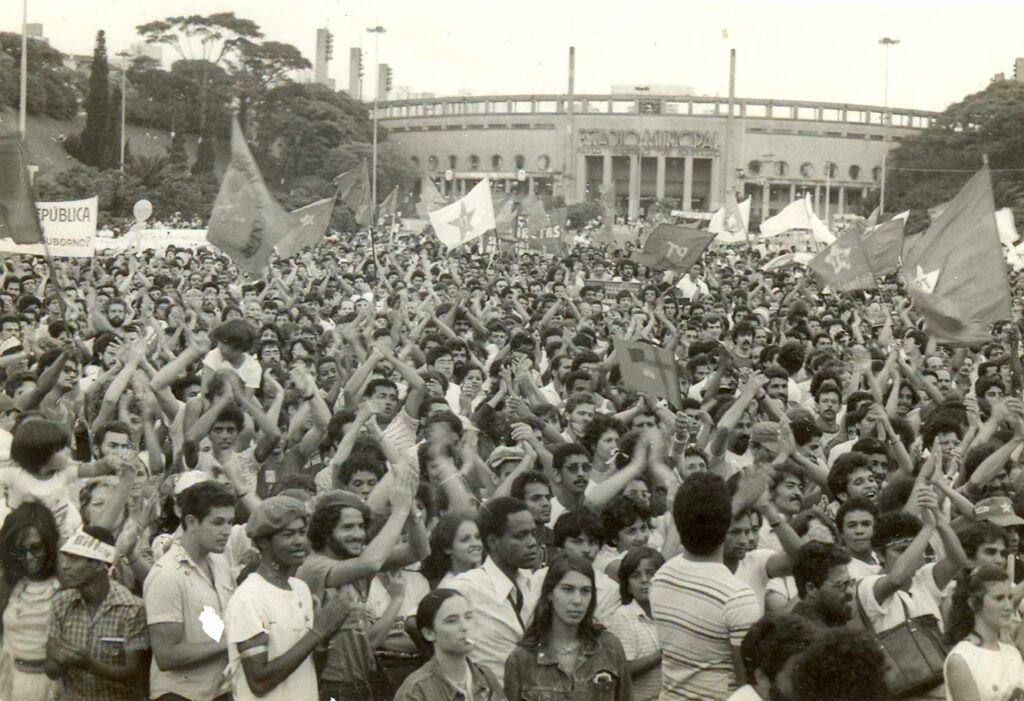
597	141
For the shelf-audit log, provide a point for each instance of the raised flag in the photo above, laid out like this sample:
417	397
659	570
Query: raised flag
730	221
504	216
431	198
534	213
844	265
465	219
389	207
778	262
19	220
798	214
955	273
649	370
354	192
247	222
883	244
674	248
549	236
307	227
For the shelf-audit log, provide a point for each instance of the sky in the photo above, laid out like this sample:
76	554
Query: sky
826	50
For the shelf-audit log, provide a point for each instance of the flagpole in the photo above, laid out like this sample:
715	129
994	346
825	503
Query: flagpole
23	78
376	31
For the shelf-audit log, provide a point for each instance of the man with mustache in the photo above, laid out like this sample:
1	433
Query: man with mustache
823	584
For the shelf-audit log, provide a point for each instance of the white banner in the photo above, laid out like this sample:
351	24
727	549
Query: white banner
68	227
154	240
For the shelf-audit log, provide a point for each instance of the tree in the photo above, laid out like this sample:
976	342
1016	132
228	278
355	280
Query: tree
258	68
205	156
931	166
177	155
52	88
112	154
117	192
95	137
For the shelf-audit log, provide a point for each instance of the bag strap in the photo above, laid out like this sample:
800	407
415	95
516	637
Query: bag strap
864	617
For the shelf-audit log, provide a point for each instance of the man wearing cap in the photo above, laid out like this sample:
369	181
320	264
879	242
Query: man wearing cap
272	625
186	596
97	629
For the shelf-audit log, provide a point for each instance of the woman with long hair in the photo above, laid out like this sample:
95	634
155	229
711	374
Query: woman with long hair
28	554
632	623
980	667
563	652
445	621
455	547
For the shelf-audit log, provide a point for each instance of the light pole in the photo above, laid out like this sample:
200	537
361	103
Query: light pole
23	78
887	42
828	191
124	83
376	31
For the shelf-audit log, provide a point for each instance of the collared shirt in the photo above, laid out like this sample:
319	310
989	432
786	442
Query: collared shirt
601	674
428	683
177	590
498	629
118	627
639	637
400	434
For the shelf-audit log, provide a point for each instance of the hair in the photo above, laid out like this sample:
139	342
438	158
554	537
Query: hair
438	563
892	526
200	499
814	561
801	522
359	461
844	466
977	455
621	512
521	482
596	428
631	563
237	333
772	641
971	587
233	414
859	677
573	524
430	604
376	382
975	534
539	630
940	424
28	515
702	511
493	517
561	453
858	504
37	440
110	427
321	523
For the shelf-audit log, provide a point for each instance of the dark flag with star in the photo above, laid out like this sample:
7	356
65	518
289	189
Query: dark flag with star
354	191
955	273
883	244
843	265
308	226
466	219
247	222
674	248
431	198
649	370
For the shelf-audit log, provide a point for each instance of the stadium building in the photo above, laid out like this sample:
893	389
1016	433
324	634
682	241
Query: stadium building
651	146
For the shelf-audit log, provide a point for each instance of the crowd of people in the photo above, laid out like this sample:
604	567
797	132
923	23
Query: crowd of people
422	475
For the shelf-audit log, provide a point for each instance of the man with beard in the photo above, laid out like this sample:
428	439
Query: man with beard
823	584
771	650
828	401
116	312
343	564
186	596
729	444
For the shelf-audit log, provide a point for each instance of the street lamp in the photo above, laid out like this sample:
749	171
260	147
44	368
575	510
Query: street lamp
887	42
828	191
23	78
125	55
376	31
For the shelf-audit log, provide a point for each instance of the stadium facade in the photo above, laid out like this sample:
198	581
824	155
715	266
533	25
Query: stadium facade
682	148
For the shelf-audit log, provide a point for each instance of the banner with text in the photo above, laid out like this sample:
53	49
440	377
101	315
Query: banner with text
68	228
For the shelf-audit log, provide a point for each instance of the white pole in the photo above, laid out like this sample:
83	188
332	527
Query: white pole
124	84
828	192
887	42
23	100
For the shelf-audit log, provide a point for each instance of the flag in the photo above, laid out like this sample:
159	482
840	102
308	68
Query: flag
649	370
798	214
883	244
247	222
307	227
504	216
844	264
534	213
354	191
674	248
798	258
389	207
467	218
549	234
431	198
955	273
18	218
730	221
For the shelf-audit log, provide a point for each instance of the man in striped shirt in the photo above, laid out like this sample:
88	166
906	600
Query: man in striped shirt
702	611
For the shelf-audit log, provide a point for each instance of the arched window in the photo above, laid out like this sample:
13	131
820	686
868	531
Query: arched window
520	162
854	172
474	162
432	163
415	160
754	167
452	162
495	162
807	170
543	162
781	168
876	173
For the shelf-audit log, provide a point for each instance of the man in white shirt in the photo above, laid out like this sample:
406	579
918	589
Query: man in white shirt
501	591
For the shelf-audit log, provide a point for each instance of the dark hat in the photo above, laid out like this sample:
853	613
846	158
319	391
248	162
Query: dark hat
273	514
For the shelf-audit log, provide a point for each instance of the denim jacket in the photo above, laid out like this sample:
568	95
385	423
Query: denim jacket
428	683
533	674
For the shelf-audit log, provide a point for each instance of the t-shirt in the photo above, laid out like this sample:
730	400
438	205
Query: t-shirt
285	615
250	370
54	493
702	611
753	571
922	599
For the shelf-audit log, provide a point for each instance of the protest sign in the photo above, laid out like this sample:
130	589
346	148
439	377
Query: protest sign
68	229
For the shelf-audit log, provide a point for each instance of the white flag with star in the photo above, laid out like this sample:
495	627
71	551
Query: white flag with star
465	219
